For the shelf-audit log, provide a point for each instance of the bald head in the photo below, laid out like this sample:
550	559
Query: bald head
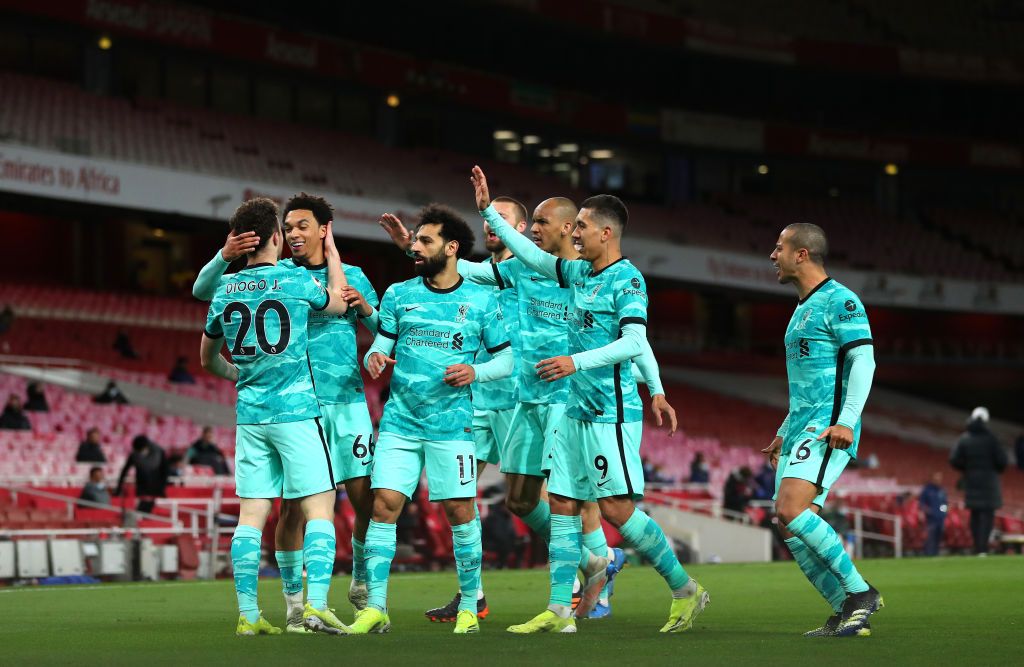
558	210
812	237
553	222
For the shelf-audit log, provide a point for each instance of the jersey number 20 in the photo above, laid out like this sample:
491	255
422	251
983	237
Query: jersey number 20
261	327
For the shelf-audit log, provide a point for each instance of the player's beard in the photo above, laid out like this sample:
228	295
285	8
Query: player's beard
493	246
431	266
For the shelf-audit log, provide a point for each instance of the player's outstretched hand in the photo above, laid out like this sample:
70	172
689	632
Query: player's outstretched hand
483	197
555	368
459	375
239	245
839	436
773	450
378	362
660	406
400	236
355	299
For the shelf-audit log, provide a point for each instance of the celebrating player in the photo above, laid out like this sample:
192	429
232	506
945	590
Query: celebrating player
598	455
280	451
434	324
543	326
830	363
333	360
493	402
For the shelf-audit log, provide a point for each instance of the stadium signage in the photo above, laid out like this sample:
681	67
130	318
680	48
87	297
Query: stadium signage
16	168
40	173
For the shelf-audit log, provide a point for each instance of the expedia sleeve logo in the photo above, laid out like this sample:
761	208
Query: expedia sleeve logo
635	283
851	309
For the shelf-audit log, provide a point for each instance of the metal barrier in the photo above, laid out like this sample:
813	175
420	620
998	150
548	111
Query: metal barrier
183	519
860	535
896	539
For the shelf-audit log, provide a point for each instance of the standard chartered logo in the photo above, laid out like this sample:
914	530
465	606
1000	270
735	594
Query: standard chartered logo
547	309
426	337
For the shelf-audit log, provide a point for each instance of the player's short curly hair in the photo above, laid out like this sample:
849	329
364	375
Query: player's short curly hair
453	227
256	215
321	208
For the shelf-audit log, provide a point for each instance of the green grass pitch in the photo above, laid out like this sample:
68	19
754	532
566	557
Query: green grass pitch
938	612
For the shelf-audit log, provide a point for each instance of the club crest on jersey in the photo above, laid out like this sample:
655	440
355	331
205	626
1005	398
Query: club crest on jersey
803	319
463	310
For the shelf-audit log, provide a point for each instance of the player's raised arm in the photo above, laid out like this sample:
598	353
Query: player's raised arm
398	232
476	272
522	247
336	281
236	245
481	273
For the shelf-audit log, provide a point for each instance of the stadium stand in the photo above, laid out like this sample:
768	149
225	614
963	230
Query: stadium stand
46	454
727	431
965	27
57	116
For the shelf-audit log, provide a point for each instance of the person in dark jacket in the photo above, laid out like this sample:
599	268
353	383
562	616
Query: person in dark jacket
204	452
699	473
151	472
982	459
123	344
739	490
112	394
89	450
13	417
934	504
35	399
179	373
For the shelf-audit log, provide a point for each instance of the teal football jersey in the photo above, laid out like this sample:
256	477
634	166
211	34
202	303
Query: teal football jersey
434	329
543	308
501	394
826	324
333	354
262	312
602	303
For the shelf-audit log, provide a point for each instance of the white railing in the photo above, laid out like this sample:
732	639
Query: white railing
860	535
188	516
896	539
